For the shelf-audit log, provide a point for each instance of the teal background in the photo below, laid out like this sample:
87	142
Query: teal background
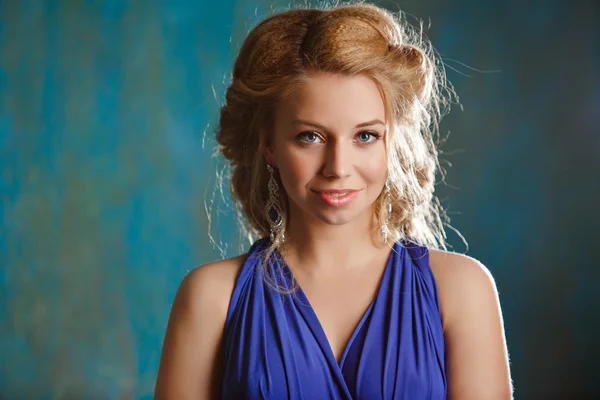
107	111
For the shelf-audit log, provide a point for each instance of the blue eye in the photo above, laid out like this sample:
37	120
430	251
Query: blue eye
367	135
310	135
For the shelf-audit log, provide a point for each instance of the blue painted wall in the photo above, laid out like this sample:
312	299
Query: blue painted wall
107	110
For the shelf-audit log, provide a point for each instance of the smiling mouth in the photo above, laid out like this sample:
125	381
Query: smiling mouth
337	198
334	194
336	191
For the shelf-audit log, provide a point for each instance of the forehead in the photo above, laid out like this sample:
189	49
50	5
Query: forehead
334	100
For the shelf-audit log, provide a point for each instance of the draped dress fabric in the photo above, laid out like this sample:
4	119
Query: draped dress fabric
274	346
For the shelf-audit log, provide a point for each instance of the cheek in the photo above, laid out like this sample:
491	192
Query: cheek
297	169
374	167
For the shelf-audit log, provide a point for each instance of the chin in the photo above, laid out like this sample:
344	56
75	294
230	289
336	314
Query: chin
335	219
315	208
336	216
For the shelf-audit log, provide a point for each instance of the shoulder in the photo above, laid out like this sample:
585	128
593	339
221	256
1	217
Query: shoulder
210	285
476	351
461	280
189	366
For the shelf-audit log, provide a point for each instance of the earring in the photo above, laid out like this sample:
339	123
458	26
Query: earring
388	199
273	210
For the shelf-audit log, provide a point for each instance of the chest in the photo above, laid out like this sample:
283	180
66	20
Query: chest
385	323
340	301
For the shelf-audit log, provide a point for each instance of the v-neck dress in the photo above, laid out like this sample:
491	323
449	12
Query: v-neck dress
274	346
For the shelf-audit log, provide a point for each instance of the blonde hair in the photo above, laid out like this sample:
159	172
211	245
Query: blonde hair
350	39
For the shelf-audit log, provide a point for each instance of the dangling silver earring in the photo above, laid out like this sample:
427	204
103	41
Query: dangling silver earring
388	200
273	210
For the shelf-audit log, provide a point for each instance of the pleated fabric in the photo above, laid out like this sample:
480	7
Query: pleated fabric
274	346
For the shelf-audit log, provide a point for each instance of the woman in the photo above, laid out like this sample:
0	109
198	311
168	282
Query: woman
348	293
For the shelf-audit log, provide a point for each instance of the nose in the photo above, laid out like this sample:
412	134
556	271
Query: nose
338	160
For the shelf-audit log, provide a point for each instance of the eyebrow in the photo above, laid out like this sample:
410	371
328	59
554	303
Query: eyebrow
319	126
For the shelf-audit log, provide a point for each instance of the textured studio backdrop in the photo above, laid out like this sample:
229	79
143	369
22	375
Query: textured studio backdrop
107	111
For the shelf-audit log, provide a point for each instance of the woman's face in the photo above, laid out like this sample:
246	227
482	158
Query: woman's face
329	136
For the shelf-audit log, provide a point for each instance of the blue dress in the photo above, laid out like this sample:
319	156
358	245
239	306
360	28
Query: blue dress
274	346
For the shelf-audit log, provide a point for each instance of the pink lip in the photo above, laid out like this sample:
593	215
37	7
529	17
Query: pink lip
337	190
338	201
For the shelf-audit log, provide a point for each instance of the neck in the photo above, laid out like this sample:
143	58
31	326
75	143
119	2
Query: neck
320	247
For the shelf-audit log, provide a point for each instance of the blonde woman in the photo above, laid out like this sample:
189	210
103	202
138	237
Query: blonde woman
348	291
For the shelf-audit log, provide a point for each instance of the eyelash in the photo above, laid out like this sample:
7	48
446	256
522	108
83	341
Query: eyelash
373	134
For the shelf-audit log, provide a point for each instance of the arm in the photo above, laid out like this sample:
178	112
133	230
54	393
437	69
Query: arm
189	366
476	354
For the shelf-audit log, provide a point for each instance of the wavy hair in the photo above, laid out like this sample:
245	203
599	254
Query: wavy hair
351	39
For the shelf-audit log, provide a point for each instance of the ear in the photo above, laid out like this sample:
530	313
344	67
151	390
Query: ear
268	149
269	155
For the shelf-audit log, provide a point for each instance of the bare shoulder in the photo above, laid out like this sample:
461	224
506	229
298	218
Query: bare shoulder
459	278
448	265
206	290
189	365
476	352
213	281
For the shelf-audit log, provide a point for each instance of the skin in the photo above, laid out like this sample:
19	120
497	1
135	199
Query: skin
336	254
